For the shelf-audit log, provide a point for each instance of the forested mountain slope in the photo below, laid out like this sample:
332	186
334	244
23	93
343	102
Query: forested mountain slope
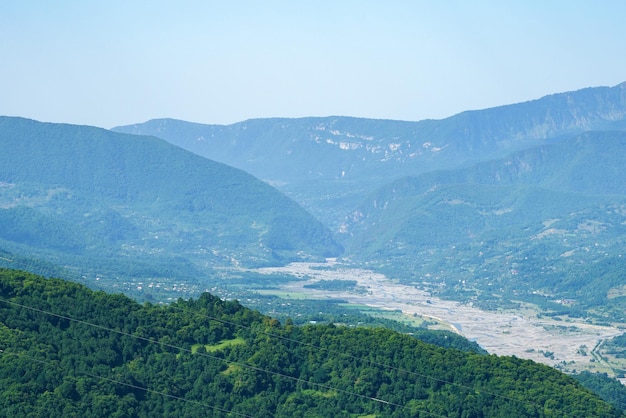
136	205
328	163
543	224
68	351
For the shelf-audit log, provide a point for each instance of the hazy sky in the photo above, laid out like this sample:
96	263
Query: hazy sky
108	63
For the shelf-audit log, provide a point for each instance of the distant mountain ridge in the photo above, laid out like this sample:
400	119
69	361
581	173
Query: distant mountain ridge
387	141
345	158
467	199
76	193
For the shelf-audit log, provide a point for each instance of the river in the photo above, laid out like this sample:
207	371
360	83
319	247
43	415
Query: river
552	342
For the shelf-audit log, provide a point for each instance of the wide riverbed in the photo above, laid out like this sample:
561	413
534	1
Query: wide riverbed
502	333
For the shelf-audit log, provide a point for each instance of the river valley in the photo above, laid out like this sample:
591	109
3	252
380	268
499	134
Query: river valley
568	345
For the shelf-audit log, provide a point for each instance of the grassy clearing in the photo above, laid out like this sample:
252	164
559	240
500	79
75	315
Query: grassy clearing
616	292
232	368
210	348
319	393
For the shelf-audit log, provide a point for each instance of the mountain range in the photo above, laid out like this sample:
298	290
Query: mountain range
517	206
329	164
519	201
487	206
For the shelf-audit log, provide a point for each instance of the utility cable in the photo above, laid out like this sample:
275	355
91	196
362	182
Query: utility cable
130	385
350	356
255	368
230	362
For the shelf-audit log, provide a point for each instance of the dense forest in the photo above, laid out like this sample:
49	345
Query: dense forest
92	199
66	350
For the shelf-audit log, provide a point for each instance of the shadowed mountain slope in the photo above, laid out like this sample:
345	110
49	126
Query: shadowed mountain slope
549	220
77	192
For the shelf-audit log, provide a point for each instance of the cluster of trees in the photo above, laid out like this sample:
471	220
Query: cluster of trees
335	311
608	388
337	286
69	351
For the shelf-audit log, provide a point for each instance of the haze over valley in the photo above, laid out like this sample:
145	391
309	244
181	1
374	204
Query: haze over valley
505	226
312	209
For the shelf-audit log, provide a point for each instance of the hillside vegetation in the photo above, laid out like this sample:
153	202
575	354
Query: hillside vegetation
137	206
544	225
69	351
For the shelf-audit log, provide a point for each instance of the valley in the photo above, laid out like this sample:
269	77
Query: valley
566	344
320	209
505	228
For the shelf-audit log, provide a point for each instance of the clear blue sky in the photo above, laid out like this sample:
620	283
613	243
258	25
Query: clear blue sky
108	63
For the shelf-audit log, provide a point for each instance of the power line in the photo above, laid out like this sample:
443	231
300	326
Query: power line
175	347
350	356
329	350
130	385
251	367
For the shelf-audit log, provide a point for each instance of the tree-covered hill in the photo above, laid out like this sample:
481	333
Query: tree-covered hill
548	221
74	193
68	351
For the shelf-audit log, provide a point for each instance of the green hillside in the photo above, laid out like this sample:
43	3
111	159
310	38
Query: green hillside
69	351
540	225
94	199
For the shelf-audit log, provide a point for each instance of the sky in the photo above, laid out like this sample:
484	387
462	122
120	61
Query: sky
110	63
